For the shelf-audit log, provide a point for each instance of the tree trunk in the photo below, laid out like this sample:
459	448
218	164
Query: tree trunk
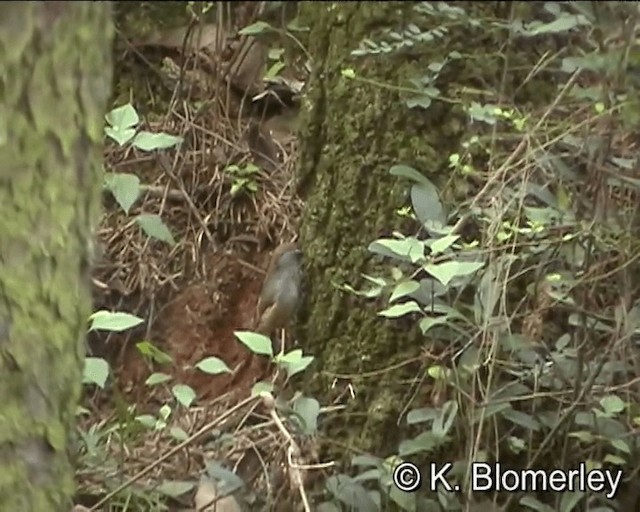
357	128
56	62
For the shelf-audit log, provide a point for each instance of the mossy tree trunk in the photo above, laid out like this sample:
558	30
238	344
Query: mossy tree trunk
56	62
357	127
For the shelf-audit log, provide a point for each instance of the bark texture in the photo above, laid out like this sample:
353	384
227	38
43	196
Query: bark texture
355	130
56	62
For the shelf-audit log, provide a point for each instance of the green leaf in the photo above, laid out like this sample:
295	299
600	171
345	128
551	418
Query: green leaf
534	504
213	366
120	136
153	227
484	413
346	490
293	362
445	272
147	141
184	394
123	117
274	70
405	171
421	415
124	187
403	289
583	436
422	101
96	371
257	343
520	418
255	28
157	378
429	322
426	442
411	248
444	421
620	445
612	404
426	204
228	481
113	321
405	500
174	489
440	245
260	388
178	434
569	500
149	350
398	310
147	420
615	459
564	23
308	409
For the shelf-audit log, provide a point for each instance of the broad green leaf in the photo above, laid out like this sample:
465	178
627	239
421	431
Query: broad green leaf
294	362
227	480
569	500
157	378
444	421
113	321
257	343
440	245
123	117
421	415
583	436
260	388
411	248
121	136
255	28
445	272
406	171
213	366
96	371
403	289
175	488
184	394
533	504
405	500
612	404
147	420
615	460
153	227
429	322
398	310
426	442
346	490
426	203
308	409
562	24
621	445
178	434
124	187
147	141
422	101
520	418
484	413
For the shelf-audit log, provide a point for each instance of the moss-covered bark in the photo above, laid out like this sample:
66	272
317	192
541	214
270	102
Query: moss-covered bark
355	130
56	62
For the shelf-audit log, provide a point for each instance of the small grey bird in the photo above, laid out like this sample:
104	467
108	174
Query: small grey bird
281	289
